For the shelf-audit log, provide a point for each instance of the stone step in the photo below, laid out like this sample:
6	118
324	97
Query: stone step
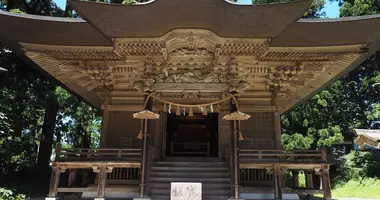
155	174
189	179
214	176
209	192
189	168
191	159
204	197
206	186
190	164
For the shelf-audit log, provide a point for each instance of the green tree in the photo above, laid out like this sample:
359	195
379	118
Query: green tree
315	9
359	7
351	102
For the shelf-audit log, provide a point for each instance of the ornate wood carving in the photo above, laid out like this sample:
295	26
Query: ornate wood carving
195	60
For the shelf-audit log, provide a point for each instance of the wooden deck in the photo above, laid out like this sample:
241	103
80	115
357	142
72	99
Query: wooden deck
115	166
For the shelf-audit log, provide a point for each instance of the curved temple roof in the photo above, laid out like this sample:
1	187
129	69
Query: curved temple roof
49	30
106	24
330	32
161	16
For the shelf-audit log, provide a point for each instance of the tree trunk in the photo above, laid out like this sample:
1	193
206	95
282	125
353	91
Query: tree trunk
47	132
16	4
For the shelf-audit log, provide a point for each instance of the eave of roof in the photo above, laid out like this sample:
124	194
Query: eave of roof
50	30
161	16
330	32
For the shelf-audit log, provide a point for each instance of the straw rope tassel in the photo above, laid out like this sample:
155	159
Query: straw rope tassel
140	135
165	108
240	134
204	111
178	112
191	112
217	109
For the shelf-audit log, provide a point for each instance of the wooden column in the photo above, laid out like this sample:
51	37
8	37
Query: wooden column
309	179
278	173
164	124
105	122
235	148
276	120
144	156
326	182
54	180
102	180
296	182
72	176
309	182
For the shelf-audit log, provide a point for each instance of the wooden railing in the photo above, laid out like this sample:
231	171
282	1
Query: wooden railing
252	155
124	176
101	154
255	176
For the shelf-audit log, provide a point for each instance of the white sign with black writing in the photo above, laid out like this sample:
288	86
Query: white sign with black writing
185	191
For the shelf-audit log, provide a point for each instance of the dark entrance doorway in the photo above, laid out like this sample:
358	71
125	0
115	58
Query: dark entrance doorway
192	135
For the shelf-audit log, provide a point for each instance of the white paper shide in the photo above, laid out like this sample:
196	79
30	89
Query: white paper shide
186	191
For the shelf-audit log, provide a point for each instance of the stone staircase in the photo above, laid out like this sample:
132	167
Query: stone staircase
213	175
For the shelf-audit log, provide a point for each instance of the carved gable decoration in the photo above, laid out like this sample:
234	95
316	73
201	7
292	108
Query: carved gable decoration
194	60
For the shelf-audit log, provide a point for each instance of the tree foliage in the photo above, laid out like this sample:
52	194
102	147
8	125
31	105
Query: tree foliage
359	7
35	112
315	9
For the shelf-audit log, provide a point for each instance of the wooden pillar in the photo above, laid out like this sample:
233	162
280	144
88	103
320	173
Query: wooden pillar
144	157
309	182
278	173
54	180
296	182
276	120
235	149
309	179
105	122
164	124
326	182
72	176
102	180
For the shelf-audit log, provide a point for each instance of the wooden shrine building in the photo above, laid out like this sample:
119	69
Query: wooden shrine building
191	91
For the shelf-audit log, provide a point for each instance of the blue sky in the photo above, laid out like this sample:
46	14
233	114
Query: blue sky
331	8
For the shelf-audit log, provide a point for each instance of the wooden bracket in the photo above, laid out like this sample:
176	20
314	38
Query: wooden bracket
270	170
318	170
62	169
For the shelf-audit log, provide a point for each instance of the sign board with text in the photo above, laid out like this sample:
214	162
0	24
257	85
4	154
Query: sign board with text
185	191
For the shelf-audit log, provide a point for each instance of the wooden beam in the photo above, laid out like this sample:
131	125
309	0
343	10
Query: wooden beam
134	108
302	191
254	108
86	189
129	98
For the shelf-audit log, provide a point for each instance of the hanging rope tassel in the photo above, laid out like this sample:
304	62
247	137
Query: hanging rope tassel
178	112
204	111
140	135
240	134
217	109
165	108
191	112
